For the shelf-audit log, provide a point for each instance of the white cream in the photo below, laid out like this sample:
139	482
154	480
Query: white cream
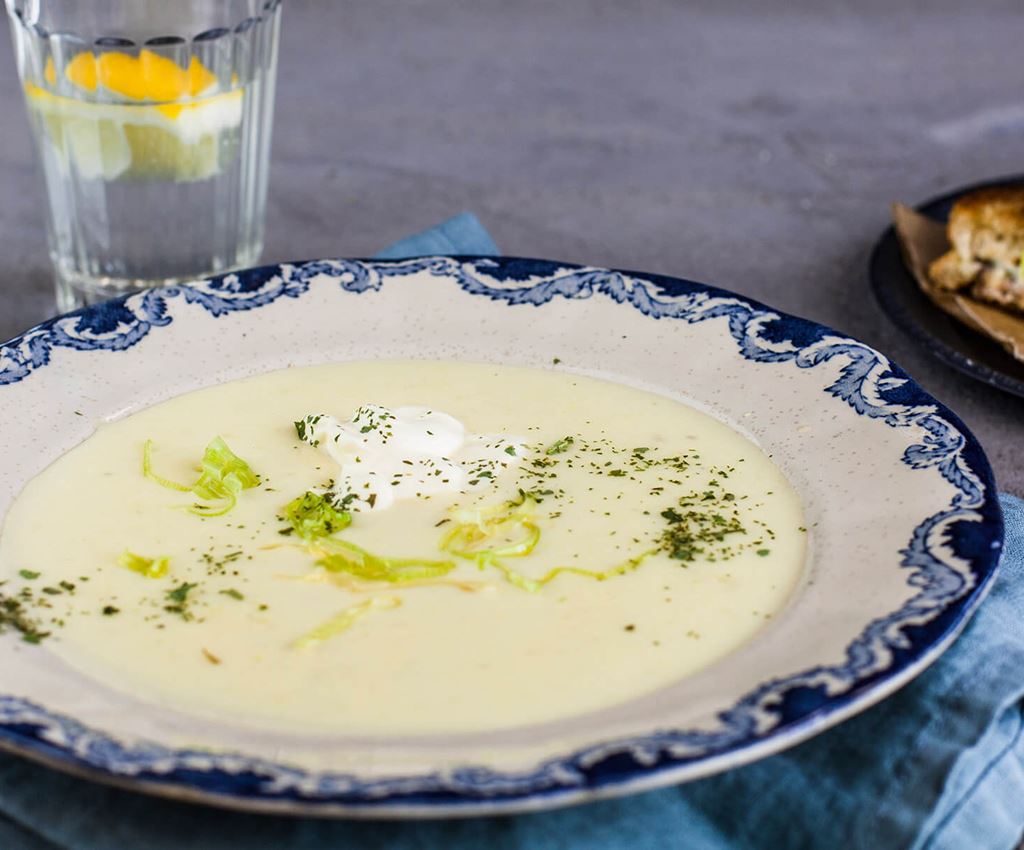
385	455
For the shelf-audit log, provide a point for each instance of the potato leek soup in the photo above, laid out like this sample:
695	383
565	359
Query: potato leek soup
401	547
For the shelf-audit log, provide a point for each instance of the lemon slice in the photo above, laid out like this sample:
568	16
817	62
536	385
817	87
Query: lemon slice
183	128
159	155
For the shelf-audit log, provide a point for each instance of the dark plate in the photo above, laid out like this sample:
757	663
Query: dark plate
910	310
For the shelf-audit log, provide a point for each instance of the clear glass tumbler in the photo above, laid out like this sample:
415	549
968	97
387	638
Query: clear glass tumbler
152	119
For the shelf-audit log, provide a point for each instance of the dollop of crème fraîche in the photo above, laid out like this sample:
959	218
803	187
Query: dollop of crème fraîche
386	455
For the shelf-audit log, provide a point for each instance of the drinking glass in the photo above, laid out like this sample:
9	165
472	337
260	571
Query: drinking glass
152	120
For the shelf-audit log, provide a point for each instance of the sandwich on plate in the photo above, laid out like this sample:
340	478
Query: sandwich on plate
986	260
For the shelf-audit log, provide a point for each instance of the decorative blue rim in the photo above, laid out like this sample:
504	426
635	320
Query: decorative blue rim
890	650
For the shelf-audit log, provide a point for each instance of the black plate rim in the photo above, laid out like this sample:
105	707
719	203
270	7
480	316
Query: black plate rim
878	268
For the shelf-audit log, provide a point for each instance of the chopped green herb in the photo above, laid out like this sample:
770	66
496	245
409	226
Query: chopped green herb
110	610
559	446
181	592
28	574
13	615
179	599
699	529
234	594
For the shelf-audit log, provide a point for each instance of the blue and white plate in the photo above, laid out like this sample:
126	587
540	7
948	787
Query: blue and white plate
904	542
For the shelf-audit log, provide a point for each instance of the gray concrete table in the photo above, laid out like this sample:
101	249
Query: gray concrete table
755	145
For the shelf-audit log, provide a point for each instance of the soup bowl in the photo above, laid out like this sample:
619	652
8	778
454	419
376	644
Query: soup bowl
903	526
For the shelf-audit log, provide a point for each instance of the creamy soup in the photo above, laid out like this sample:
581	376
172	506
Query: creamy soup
401	547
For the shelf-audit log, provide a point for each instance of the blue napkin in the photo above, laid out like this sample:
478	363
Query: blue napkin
463	234
938	765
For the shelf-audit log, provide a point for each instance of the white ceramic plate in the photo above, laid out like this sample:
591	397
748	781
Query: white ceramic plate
905	525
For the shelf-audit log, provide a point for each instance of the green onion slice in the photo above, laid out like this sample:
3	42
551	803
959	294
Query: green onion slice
344	620
341	556
223	475
315	520
148	567
488	535
312	515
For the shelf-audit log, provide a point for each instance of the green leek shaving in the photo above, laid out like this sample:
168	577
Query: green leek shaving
313	518
223	475
511	530
344	620
312	515
148	567
340	556
510	524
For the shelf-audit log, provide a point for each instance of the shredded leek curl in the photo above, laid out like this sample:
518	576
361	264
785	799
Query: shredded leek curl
312	515
340	556
314	518
223	475
344	620
148	567
512	532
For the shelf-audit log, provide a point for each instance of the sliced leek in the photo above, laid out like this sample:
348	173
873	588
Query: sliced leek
148	567
344	620
223	475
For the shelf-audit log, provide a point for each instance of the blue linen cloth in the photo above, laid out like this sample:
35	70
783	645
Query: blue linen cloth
462	234
937	766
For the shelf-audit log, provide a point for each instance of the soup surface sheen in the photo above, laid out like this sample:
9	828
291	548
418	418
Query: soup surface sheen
684	537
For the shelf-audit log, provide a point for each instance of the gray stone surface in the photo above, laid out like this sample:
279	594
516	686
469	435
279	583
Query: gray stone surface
755	145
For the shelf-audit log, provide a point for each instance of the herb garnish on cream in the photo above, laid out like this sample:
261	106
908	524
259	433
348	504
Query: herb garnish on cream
410	452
